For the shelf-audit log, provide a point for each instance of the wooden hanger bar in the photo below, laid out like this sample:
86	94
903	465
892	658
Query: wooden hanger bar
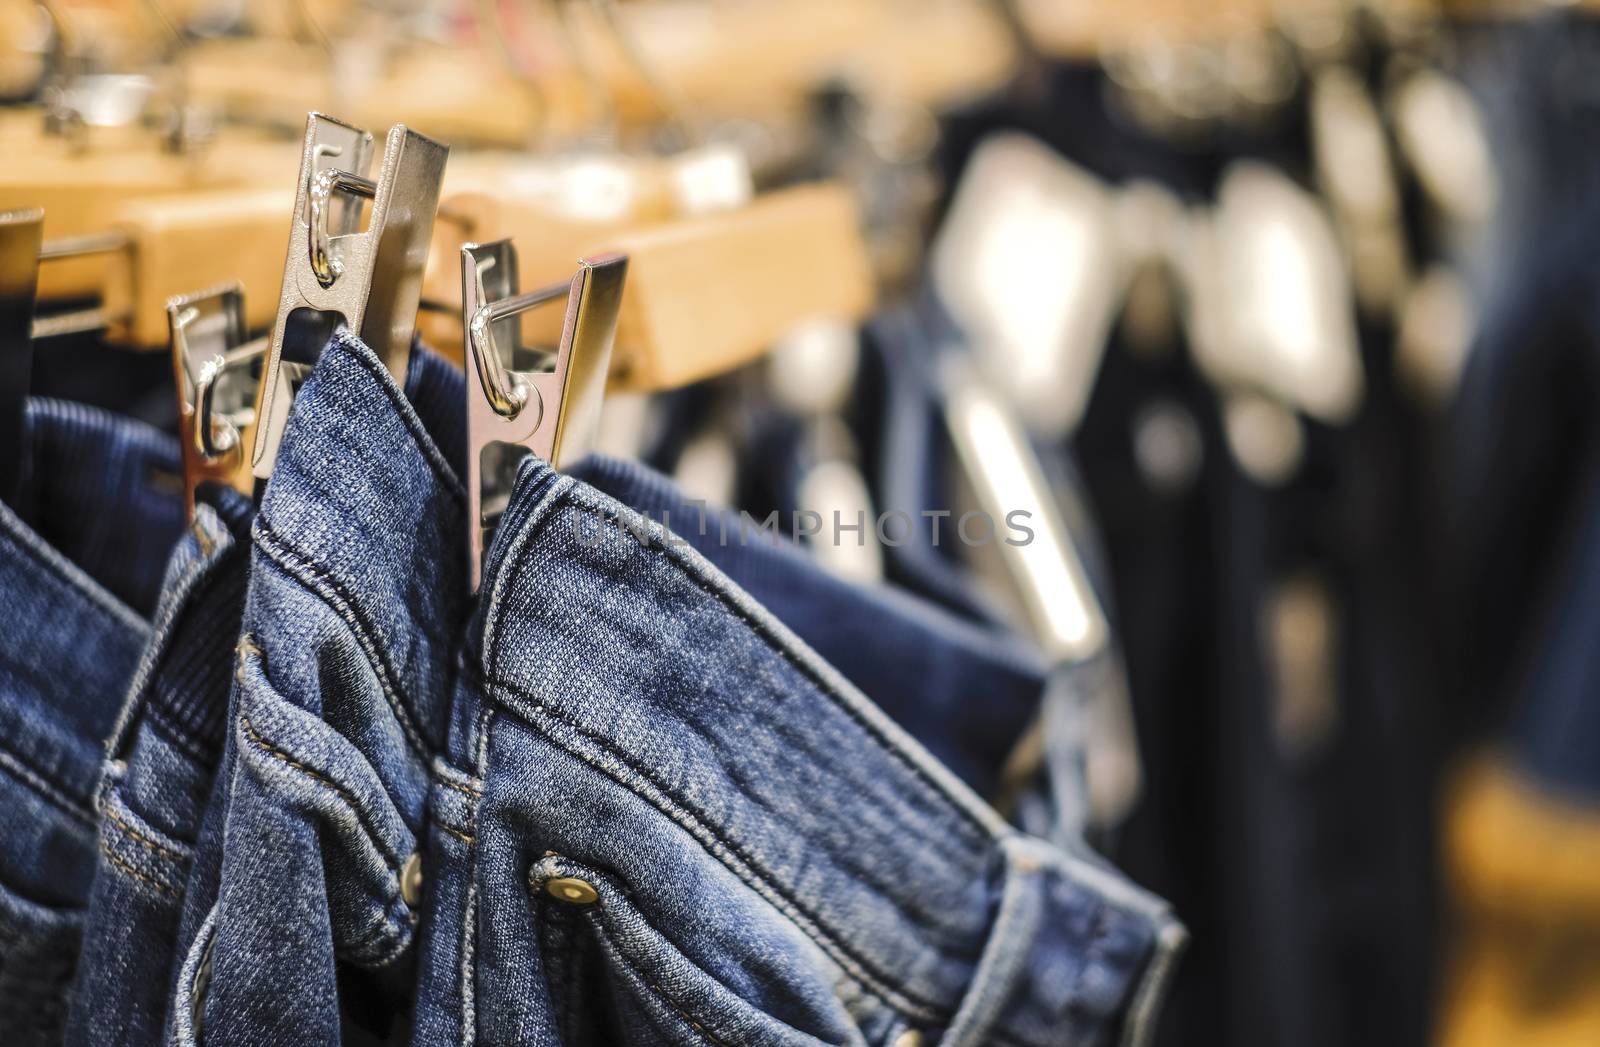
83	193
704	294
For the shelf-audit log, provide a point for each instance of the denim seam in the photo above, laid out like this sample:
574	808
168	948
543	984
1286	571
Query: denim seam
176	601
773	643
334	595
61	571
413	424
317	776
754	875
476	794
155	848
469	918
177	735
175	596
133	871
468	966
464	837
555	959
48	791
661	993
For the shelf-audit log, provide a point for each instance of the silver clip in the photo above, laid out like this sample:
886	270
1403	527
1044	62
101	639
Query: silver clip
370	279
212	364
21	233
525	401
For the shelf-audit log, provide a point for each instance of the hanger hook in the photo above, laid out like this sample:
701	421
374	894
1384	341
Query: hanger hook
324	264
508	400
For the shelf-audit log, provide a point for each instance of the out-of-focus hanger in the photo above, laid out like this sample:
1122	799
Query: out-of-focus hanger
20	236
153	250
715	277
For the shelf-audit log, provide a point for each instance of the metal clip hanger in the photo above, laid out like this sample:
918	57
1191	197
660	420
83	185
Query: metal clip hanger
212	364
335	271
514	407
21	232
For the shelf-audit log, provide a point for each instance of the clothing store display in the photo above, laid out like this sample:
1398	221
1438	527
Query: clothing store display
885	523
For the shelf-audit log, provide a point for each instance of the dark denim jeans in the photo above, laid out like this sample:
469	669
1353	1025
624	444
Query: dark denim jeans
663	818
302	905
75	551
160	763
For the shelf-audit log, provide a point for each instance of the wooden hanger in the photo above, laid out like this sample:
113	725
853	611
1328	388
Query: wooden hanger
84	194
704	294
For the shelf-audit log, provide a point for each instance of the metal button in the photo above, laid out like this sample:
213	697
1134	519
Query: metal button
909	1038
571	889
411	880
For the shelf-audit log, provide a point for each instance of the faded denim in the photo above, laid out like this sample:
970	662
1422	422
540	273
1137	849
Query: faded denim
160	762
663	818
296	928
75	551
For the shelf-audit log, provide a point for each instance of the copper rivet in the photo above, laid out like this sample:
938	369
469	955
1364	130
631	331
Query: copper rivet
571	889
909	1038
411	880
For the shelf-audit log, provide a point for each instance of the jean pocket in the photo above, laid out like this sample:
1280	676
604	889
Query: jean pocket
615	977
38	952
313	799
143	861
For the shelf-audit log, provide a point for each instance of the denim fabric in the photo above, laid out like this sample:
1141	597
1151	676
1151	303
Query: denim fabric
296	928
160	763
104	491
965	692
664	819
898	421
67	650
908	455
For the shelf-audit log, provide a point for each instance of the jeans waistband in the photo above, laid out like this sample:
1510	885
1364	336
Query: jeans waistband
965	691
365	510
103	490
638	657
183	677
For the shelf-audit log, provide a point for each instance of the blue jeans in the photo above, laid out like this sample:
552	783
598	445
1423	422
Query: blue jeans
70	564
158	774
963	690
301	910
663	818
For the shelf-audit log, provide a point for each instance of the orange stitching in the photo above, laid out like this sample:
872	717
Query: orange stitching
466	838
476	794
151	845
136	873
311	772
